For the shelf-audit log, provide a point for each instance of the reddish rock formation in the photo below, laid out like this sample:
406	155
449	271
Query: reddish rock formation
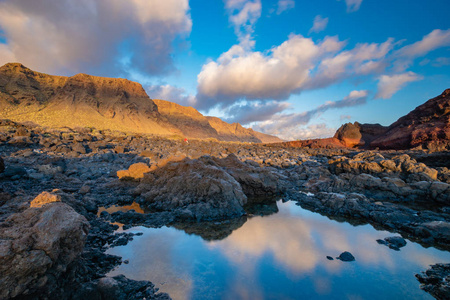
427	126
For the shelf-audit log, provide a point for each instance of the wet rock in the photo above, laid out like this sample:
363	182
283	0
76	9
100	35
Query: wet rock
393	242
37	245
346	256
121	288
436	281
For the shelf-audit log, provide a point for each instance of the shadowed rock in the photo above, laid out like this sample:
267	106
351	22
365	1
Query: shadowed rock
37	245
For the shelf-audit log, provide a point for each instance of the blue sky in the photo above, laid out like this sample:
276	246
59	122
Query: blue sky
296	69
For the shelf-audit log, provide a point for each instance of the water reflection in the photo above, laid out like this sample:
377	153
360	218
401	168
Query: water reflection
281	256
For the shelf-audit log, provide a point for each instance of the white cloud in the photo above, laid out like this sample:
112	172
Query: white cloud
319	24
239	73
243	14
297	64
284	5
171	93
435	39
104	36
352	5
389	85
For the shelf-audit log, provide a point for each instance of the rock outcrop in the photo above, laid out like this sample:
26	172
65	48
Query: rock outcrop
427	127
37	245
102	103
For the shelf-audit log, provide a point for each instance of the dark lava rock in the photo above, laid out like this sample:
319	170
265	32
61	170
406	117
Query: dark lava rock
2	165
346	256
436	281
14	172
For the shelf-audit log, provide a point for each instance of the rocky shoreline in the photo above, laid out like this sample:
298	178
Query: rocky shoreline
183	185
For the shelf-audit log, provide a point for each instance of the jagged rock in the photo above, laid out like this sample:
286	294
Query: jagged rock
37	245
436	281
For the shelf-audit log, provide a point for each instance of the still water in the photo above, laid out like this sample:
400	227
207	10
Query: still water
279	256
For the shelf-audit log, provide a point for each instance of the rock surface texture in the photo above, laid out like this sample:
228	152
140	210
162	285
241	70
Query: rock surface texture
37	245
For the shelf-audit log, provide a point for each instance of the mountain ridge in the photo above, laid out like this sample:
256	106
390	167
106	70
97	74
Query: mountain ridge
84	100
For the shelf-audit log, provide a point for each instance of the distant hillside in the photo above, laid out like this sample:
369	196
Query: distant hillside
193	124
103	103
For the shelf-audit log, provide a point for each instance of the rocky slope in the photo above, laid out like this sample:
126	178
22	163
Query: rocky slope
194	125
104	103
427	126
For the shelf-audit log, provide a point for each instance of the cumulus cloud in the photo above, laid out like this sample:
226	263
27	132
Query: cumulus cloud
255	111
352	5
292	126
104	36
171	93
284	5
388	85
319	24
297	64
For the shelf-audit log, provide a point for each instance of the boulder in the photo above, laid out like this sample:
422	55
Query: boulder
196	185
37	245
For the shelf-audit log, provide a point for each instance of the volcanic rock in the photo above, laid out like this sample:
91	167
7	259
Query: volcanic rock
37	245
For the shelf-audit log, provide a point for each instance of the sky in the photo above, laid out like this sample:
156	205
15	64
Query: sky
298	69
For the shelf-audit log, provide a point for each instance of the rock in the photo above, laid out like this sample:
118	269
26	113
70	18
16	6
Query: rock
349	135
120	288
2	165
45	198
393	242
135	171
37	245
196	185
84	189
330	258
436	281
346	256
14	172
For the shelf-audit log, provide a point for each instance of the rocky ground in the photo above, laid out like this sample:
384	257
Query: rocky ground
52	245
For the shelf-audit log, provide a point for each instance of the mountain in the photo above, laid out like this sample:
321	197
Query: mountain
194	125
102	103
427	126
